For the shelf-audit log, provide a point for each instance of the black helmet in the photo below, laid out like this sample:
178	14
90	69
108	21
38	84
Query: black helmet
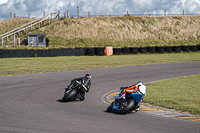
88	76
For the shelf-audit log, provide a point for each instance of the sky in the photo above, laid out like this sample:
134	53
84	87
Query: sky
96	7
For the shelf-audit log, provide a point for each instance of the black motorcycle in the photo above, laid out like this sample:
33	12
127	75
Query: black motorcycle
72	92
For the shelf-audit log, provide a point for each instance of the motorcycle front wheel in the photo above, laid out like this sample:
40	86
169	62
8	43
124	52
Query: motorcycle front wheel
109	108
128	108
69	95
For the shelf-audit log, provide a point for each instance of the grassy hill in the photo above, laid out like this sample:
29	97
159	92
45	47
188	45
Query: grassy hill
10	24
126	31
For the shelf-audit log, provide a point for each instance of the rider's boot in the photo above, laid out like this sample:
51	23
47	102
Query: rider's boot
136	109
138	106
82	98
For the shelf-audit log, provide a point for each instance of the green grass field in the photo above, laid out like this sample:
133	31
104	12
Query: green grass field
178	93
21	66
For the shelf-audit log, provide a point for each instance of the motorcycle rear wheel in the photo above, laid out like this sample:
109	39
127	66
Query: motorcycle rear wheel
69	96
128	108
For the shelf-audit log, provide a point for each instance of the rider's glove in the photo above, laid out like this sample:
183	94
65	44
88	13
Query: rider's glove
123	96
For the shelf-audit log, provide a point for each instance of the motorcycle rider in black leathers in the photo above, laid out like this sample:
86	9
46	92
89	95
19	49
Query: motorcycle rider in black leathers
84	84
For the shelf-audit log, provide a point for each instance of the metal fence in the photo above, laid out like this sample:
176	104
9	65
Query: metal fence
146	13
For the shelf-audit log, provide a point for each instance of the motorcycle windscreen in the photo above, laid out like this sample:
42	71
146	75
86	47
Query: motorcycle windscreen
137	97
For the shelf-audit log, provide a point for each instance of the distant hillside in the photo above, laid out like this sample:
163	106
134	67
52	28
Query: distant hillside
124	31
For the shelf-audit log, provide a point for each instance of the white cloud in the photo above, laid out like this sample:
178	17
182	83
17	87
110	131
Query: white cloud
97	7
3	1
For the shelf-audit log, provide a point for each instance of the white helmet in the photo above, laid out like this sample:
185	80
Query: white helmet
142	89
140	83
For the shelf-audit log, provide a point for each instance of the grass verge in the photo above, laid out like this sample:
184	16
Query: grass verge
178	93
21	66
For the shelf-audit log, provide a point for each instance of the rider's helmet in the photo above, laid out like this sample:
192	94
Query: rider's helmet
88	76
142	89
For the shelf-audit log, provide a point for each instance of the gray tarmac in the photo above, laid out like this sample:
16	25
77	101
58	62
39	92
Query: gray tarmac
32	103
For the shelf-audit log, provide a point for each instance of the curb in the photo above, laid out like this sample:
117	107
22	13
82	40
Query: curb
110	97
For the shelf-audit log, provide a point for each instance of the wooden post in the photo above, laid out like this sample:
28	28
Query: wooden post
165	13
145	13
2	41
43	22
67	13
14	39
127	13
44	14
58	14
19	41
89	14
29	16
15	15
10	14
51	17
183	13
78	11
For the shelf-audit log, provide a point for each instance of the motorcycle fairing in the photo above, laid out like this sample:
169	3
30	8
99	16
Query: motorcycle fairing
115	108
137	97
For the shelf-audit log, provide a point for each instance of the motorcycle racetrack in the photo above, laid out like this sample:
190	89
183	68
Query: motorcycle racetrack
32	103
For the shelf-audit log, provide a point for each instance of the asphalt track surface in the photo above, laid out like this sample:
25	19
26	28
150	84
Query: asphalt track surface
31	103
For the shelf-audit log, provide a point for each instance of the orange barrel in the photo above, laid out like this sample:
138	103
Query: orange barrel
108	51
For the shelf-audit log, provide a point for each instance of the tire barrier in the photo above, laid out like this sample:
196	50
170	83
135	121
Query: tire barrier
1	53
95	51
29	53
52	52
160	49
90	51
185	48
79	51
198	46
151	49
168	49
125	51
42	53
142	50
176	49
194	48
134	50
117	51
99	51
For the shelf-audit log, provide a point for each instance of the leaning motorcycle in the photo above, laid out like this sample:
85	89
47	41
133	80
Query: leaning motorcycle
72	92
127	105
